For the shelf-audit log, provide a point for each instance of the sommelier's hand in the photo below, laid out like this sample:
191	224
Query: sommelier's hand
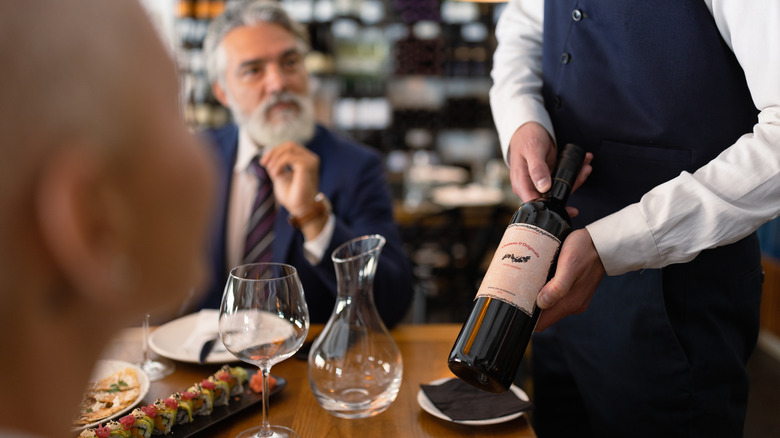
532	155
577	275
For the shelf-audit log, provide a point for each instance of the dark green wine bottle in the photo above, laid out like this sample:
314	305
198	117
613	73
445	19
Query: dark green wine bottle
492	342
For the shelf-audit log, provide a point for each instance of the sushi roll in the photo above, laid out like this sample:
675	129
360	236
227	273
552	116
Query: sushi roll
88	433
184	412
235	377
112	429
151	412
240	373
99	432
139	426
224	376
220	388
203	400
166	415
143	426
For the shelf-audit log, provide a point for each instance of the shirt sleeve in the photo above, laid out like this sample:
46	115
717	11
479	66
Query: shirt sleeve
516	94
314	250
732	195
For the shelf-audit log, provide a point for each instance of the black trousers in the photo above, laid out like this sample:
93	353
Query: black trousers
657	353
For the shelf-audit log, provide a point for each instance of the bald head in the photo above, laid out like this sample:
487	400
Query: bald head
104	194
69	69
90	81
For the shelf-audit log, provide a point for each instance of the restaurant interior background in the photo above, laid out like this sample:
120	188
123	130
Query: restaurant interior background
411	79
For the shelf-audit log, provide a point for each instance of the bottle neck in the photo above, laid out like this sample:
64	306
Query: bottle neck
569	163
560	191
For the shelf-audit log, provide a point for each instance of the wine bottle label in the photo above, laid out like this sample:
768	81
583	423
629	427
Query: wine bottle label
520	266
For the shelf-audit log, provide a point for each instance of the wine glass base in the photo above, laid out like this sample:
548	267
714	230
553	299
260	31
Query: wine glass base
157	369
275	432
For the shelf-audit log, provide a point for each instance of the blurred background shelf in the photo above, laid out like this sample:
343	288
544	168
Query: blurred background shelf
409	78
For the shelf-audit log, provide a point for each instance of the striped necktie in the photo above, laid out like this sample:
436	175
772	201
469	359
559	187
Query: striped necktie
260	228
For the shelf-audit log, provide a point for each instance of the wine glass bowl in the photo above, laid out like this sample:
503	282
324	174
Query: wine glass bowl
263	320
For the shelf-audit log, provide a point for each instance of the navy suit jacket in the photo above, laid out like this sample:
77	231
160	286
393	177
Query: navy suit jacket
352	177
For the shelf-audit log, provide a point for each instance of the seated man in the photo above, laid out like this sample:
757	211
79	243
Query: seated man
105	198
325	190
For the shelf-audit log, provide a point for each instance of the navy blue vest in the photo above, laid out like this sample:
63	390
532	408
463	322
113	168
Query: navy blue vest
649	86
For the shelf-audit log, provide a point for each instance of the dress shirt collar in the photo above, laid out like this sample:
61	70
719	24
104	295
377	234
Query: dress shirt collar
247	150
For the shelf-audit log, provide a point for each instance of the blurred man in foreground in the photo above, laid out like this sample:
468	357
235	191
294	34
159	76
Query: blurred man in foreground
323	190
103	201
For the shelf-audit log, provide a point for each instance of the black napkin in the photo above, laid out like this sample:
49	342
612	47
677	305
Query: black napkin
461	401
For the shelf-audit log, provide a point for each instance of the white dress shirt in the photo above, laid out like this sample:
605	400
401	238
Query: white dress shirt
243	192
719	203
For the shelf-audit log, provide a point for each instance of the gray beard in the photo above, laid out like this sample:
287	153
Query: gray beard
297	126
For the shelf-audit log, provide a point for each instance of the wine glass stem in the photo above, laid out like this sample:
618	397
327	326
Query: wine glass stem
265	427
146	337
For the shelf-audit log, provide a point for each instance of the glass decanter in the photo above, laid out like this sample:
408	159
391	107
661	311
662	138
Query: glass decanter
355	366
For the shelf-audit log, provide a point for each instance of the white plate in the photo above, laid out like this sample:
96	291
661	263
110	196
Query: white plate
430	408
437	174
169	339
472	195
104	368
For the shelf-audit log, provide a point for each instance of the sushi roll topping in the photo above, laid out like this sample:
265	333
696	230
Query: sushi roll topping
150	410
225	376
171	403
127	421
102	431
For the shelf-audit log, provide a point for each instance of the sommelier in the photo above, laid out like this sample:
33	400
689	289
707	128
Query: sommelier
322	189
679	104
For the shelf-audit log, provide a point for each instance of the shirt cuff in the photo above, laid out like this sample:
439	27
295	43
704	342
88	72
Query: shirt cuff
315	249
511	115
624	241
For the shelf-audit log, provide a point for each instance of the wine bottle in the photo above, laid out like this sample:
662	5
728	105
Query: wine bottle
491	344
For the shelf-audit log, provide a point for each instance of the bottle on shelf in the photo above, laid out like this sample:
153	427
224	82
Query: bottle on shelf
185	9
492	342
216	7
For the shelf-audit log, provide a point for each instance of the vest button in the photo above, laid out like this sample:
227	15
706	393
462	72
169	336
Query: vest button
558	102
576	15
565	58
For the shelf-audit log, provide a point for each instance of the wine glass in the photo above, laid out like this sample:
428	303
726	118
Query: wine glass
156	369
263	320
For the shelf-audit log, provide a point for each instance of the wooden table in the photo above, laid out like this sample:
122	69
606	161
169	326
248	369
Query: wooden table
424	348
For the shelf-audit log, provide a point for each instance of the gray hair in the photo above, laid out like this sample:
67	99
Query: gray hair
240	13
